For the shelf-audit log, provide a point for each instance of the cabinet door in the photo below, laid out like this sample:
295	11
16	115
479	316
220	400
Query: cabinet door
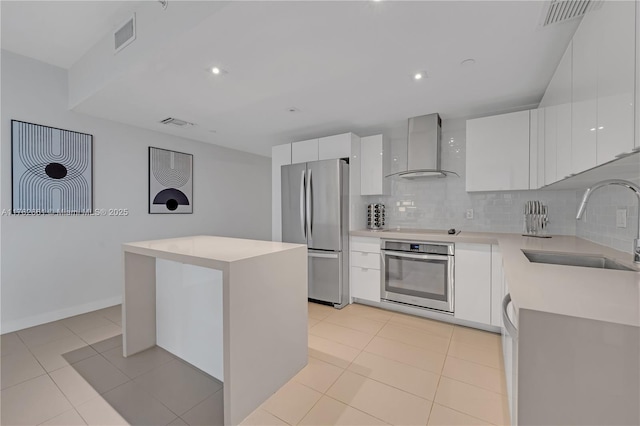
550	144
496	286
473	282
371	165
280	156
584	93
331	147
562	87
637	103
365	283
616	79
533	149
304	151
498	152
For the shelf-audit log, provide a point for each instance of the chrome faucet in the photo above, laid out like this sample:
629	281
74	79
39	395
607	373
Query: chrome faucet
632	186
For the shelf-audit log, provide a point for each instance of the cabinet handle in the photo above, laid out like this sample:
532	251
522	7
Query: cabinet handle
511	329
623	154
365	254
364	269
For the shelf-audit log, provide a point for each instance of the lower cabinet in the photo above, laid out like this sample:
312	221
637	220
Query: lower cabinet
473	282
365	268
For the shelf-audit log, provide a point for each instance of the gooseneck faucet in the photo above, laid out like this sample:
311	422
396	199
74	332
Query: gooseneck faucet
632	186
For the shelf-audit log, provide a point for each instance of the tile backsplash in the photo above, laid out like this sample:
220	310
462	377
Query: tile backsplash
599	221
443	203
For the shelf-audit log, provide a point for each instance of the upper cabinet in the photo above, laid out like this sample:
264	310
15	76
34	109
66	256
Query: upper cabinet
616	79
337	146
371	177
304	151
556	109
584	92
498	152
588	112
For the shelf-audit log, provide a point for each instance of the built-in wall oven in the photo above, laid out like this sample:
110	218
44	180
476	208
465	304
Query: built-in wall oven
418	273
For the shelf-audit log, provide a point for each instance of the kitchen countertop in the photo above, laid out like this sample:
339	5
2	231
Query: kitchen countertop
598	294
212	252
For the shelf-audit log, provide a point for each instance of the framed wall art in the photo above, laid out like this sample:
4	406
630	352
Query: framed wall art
51	170
170	181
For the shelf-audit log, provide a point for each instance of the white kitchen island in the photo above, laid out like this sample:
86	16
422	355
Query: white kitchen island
235	308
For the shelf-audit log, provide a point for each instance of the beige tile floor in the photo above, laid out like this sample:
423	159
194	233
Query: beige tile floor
72	372
371	367
366	367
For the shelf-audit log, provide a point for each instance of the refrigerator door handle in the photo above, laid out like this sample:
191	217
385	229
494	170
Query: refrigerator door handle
309	206
303	216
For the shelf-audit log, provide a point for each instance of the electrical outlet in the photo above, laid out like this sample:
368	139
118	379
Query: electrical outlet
469	214
621	218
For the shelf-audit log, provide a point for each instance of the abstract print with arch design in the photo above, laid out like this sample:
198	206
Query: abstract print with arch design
170	181
51	170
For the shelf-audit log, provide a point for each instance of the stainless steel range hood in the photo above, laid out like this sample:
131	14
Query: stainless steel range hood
423	148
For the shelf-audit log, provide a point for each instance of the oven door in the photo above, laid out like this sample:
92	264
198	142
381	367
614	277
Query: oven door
424	280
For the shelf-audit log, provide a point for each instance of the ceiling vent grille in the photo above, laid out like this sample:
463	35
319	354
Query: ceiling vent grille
564	10
125	34
176	122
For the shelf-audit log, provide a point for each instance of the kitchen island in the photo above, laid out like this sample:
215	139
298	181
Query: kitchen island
235	308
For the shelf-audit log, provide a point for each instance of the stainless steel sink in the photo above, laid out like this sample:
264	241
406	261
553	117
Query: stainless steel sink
571	259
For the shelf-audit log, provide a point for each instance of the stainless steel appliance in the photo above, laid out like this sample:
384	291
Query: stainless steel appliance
418	273
423	149
315	212
375	216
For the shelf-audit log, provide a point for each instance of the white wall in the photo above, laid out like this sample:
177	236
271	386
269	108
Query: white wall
54	266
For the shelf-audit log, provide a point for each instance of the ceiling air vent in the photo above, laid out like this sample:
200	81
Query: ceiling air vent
176	122
125	34
563	10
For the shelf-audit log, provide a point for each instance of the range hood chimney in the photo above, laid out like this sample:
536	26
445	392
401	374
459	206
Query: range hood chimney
423	148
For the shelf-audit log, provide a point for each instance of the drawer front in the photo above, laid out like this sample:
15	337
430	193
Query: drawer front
365	283
365	244
365	260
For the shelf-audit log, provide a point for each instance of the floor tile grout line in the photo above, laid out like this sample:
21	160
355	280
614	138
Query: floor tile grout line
474	385
462	412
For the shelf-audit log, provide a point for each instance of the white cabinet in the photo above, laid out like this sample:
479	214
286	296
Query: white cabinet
337	146
498	152
304	151
563	79
473	282
637	102
556	108
280	156
584	93
365	268
616	79
497	290
371	177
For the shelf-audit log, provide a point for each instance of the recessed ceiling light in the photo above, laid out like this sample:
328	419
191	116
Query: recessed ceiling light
218	71
417	76
468	62
293	110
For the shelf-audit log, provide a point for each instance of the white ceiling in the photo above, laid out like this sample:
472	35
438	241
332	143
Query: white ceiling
59	32
346	66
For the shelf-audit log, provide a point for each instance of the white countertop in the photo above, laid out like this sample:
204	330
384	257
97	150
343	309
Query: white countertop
599	294
216	250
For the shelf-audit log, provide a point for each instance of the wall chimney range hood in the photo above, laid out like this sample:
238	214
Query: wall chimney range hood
423	149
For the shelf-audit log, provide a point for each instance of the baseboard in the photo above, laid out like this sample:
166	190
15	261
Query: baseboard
34	320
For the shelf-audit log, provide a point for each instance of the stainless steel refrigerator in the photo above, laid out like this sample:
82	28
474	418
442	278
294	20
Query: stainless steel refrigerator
315	212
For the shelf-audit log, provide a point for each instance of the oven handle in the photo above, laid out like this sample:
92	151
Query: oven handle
416	256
